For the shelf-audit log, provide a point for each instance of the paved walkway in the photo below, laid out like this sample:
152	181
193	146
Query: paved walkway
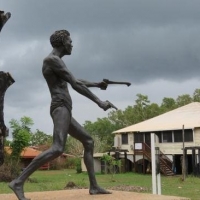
82	194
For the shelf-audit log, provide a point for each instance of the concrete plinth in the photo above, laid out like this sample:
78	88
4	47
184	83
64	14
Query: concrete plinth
82	194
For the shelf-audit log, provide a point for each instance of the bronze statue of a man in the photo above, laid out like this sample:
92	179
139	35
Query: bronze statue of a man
58	76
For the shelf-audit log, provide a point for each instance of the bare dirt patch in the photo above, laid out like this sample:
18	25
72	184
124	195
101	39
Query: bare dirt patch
128	188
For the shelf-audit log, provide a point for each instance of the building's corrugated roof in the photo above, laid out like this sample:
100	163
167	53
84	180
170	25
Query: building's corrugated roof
188	115
28	152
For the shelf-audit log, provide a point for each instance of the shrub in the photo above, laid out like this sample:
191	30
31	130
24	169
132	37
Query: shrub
9	170
71	163
78	165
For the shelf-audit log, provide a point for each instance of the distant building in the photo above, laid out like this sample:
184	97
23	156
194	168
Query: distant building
168	127
29	153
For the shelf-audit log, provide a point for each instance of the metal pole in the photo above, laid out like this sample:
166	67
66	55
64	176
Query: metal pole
153	164
159	183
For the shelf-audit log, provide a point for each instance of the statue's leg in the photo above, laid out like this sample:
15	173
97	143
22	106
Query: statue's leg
61	119
77	131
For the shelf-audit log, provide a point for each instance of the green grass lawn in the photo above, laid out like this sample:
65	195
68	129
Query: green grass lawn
57	180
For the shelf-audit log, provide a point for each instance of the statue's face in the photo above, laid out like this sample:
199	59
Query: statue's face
67	43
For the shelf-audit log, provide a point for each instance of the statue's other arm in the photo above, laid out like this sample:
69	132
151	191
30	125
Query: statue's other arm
102	85
59	67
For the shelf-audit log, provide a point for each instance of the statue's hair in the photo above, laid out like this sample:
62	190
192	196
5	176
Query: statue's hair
57	38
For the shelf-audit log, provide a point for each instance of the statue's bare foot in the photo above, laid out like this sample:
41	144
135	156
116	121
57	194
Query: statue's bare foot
98	190
17	188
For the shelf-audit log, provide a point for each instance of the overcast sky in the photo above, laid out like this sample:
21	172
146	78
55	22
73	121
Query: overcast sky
154	44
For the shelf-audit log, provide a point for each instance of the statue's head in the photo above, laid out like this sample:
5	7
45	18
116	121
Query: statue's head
58	38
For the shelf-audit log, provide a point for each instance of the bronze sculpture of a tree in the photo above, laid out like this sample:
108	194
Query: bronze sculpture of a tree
5	81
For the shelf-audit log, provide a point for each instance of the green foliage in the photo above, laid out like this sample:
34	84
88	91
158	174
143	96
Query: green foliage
183	100
7	143
7	170
24	123
110	160
78	165
21	137
57	164
196	95
112	164
74	146
70	163
40	138
100	130
20	141
21	132
168	104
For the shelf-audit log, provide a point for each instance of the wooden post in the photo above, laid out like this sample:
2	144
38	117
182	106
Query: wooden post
199	162
193	161
183	160
186	163
126	163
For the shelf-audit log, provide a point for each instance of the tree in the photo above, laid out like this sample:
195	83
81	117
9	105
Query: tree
168	104
40	138
21	137
25	123
74	146
196	95
21	140
112	164
183	100
101	129
121	118
140	109
153	110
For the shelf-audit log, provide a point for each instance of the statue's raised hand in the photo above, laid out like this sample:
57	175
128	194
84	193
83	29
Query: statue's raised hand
102	85
105	105
4	18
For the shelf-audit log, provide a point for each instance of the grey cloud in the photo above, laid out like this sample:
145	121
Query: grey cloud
129	40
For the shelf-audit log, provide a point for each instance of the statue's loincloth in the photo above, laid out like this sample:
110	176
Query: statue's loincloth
60	103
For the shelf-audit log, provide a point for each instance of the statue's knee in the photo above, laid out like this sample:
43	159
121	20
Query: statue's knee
57	151
89	144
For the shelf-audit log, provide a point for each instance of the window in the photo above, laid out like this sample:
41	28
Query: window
125	138
178	137
147	138
167	136
188	135
138	137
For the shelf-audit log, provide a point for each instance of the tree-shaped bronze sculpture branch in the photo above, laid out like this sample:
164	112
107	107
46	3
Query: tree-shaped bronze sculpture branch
4	17
5	81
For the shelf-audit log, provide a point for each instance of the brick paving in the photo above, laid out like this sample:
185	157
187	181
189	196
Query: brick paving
82	194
